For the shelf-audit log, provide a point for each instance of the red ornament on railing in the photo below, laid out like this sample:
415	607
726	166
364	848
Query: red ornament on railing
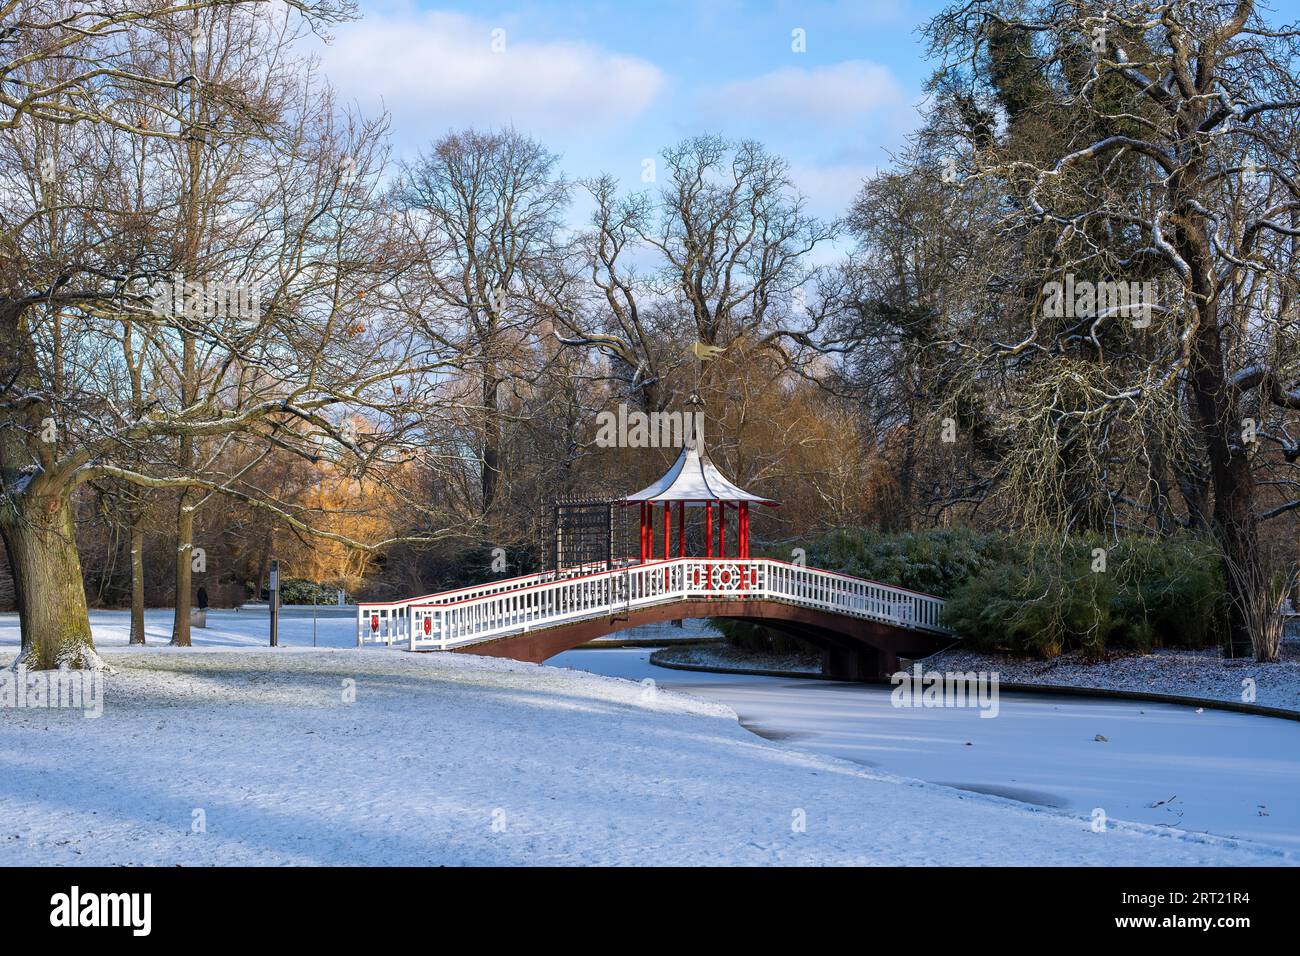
725	576
428	625
374	622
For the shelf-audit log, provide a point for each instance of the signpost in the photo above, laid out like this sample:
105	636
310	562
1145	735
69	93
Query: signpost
273	589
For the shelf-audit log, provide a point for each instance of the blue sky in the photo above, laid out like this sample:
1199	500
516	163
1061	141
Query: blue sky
609	84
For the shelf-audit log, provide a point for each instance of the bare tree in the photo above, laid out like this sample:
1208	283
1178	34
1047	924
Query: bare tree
913	241
484	211
727	242
68	62
1129	142
85	269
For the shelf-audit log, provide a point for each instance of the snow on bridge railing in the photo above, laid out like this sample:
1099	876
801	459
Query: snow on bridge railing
458	618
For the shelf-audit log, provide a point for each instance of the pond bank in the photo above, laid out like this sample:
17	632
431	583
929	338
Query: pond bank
1171	674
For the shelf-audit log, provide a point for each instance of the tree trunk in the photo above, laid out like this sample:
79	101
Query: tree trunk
51	596
1231	478
1157	490
1195	491
36	518
491	440
184	572
137	583
1238	533
1192	475
264	563
192	208
902	521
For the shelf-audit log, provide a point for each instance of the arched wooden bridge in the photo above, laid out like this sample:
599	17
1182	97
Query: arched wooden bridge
861	626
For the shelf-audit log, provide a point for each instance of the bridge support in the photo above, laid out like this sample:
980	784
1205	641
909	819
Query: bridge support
858	663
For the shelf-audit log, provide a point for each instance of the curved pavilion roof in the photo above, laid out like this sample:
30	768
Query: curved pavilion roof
694	479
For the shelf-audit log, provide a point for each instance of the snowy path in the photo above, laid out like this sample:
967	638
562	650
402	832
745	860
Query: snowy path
1223	770
448	759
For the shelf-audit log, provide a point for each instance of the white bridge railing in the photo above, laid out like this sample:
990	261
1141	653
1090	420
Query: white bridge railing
388	621
517	605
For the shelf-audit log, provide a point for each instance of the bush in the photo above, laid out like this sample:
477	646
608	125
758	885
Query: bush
1038	603
1176	587
301	591
1012	594
934	562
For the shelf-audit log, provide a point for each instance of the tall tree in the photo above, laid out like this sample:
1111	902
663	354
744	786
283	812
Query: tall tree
82	263
1171	159
485	211
719	254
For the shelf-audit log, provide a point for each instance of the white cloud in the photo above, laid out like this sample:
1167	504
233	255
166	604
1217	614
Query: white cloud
830	188
437	70
835	122
827	95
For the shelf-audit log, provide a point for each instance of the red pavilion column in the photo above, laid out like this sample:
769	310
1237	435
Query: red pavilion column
722	529
744	529
668	541
681	529
708	530
708	543
668	530
742	540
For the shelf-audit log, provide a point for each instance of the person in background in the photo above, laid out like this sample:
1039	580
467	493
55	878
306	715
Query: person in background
201	598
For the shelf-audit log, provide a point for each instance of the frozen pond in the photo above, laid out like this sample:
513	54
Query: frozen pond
1218	772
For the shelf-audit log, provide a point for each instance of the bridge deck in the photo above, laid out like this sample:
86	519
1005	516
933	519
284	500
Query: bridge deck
508	617
851	647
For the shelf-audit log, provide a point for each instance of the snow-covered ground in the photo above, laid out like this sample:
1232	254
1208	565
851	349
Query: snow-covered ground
335	627
377	756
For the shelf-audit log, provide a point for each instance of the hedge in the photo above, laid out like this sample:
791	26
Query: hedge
1015	594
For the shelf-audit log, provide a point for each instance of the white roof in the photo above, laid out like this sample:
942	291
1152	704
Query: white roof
693	478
